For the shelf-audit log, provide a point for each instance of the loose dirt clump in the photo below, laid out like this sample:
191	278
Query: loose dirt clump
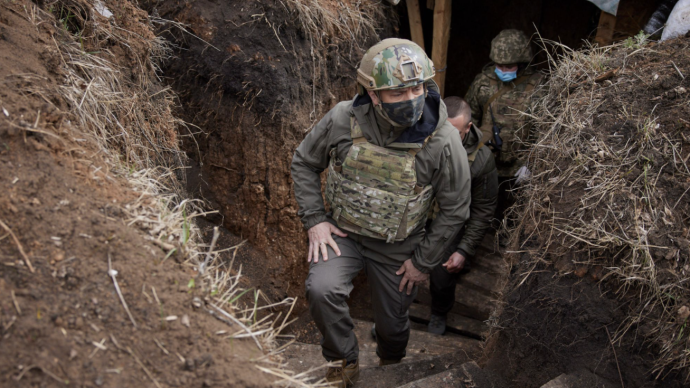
600	237
103	277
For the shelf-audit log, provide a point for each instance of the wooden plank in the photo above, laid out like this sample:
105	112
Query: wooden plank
415	17
607	23
468	302
455	323
439	48
447	379
483	279
421	344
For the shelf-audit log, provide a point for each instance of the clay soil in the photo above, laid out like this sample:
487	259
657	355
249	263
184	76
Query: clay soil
63	323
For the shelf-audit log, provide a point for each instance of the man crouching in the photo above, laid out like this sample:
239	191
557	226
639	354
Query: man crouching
389	153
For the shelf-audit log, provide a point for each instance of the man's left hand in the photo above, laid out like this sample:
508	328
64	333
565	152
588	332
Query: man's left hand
412	276
455	263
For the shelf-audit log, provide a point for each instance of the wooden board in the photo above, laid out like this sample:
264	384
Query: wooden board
439	48
607	23
468	302
490	282
415	22
454	323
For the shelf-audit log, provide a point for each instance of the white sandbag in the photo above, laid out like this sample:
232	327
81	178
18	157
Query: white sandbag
678	22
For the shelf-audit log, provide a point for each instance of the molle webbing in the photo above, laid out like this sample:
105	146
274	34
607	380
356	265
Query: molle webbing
374	191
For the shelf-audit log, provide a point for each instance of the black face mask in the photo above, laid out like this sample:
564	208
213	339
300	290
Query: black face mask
404	113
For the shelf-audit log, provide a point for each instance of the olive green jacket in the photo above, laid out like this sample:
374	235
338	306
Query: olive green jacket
484	193
442	163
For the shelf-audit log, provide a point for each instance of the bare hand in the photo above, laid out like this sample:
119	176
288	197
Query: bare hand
319	236
412	276
455	263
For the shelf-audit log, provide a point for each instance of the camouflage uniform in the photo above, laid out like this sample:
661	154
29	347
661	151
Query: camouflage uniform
439	165
509	47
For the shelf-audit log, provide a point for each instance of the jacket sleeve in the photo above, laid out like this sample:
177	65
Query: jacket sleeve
452	186
310	159
482	208
472	98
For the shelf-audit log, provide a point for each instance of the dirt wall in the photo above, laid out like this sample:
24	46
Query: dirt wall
252	89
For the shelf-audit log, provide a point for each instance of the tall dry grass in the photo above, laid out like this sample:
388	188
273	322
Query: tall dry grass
595	198
118	107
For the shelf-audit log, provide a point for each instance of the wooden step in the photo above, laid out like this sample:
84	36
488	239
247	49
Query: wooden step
455	323
490	261
302	357
469	302
578	379
468	375
448	379
490	281
392	376
421	342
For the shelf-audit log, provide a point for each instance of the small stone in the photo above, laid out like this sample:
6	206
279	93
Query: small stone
35	202
59	256
196	302
189	365
171	318
79	322
72	354
683	313
99	380
185	320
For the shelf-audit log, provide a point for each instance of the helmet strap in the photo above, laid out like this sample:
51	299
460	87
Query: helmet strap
381	112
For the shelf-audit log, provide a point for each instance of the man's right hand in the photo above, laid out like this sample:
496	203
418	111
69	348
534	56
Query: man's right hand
319	236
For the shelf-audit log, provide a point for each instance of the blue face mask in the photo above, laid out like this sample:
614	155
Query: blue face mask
506	76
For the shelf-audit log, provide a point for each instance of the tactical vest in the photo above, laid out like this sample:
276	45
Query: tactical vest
374	191
506	105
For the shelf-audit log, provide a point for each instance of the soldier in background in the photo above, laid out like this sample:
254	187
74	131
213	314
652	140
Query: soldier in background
389	152
484	178
497	96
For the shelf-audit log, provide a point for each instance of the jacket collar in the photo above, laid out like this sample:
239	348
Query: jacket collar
472	139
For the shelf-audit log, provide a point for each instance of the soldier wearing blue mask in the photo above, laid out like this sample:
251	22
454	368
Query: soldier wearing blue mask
499	95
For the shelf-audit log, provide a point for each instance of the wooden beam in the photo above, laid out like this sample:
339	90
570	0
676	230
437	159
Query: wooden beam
439	48
415	22
430	4
607	23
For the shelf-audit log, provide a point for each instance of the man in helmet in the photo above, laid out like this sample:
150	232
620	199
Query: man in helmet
499	93
389	153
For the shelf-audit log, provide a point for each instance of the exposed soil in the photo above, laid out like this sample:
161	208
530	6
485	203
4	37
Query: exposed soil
255	97
557	320
63	323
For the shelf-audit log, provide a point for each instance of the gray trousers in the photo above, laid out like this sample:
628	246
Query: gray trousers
328	287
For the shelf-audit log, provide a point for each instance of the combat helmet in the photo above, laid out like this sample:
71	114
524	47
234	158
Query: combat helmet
394	64
510	46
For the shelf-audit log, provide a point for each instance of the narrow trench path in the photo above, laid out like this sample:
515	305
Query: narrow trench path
431	360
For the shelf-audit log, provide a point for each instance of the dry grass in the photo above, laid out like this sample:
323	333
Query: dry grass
118	109
331	23
594	195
